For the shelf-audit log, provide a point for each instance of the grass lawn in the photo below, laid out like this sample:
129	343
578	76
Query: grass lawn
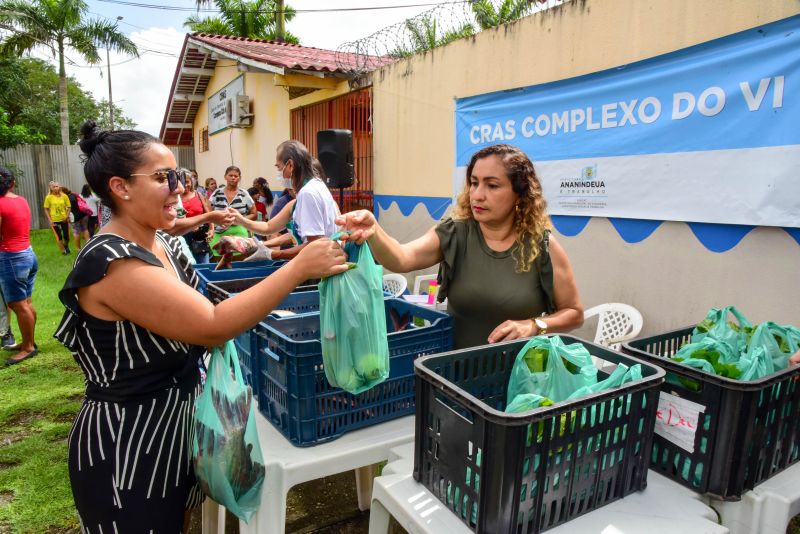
38	401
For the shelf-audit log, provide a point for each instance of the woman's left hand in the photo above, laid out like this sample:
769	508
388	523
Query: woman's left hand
509	330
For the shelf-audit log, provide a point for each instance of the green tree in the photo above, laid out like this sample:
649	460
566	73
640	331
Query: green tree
510	10
28	93
61	26
121	122
424	35
254	19
17	134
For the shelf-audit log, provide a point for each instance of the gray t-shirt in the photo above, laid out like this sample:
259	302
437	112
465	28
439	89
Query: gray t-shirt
482	287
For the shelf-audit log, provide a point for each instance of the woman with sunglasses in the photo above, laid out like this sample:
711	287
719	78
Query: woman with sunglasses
125	323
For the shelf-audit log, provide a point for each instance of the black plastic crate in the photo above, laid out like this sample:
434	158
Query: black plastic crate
747	432
527	472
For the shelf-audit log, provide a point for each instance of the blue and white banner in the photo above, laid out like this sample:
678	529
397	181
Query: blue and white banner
710	133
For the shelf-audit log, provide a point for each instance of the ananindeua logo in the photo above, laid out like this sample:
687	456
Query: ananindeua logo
586	191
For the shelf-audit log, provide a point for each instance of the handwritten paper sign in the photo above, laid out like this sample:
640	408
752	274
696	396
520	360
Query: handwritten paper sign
677	420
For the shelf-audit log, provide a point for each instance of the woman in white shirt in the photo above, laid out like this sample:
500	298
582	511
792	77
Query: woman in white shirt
311	215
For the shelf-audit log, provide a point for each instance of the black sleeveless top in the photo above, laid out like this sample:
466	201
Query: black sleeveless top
130	462
482	286
121	360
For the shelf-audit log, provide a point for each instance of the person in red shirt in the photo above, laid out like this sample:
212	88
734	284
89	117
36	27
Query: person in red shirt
18	264
196	204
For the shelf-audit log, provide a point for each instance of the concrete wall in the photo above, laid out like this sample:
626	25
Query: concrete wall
253	148
250	149
670	276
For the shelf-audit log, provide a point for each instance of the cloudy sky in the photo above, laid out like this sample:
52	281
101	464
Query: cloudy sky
141	86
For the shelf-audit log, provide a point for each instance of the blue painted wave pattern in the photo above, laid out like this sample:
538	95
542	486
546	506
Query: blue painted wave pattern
715	237
436	206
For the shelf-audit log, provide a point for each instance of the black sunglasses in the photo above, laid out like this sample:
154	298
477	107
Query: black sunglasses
172	176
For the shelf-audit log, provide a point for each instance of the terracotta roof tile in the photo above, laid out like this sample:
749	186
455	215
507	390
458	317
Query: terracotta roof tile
289	56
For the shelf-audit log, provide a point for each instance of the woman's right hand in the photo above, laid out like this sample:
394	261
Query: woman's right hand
321	258
361	224
222	218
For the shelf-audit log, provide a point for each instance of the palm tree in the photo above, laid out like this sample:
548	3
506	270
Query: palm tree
255	19
59	25
510	10
424	35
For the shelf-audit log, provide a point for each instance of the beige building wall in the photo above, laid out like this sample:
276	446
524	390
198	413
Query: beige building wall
670	276
253	148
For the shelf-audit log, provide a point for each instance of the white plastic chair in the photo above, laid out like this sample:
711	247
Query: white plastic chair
420	279
616	323
394	283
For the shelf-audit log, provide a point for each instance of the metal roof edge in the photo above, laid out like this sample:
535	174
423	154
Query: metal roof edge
181	59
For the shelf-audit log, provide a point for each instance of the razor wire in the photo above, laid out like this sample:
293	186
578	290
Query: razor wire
435	27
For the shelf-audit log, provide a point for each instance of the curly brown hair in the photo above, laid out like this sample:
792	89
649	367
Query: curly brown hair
531	221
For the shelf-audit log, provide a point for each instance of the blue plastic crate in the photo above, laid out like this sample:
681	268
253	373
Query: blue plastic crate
225	275
221	290
239	265
296	397
305	299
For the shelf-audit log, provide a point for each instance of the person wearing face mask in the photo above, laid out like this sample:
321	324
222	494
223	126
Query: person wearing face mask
311	216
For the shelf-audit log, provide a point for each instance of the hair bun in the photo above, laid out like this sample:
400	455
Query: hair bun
91	135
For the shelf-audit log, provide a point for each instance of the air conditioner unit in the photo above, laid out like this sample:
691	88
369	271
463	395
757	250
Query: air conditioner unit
240	112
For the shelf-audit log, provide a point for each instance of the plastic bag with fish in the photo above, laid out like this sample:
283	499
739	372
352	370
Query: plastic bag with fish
227	455
230	245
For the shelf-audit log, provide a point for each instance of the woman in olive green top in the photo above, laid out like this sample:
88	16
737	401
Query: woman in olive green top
501	269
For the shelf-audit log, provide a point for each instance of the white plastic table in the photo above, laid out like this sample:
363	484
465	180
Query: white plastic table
422	300
664	507
287	466
767	509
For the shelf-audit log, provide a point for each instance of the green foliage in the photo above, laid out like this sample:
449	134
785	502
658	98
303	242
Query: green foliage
727	370
425	35
62	26
39	398
254	19
29	95
510	10
121	122
17	134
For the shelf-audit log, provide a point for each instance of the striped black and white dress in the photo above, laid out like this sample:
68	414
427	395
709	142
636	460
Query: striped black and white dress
130	446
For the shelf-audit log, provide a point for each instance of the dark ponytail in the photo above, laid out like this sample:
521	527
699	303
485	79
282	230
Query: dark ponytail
7	181
111	153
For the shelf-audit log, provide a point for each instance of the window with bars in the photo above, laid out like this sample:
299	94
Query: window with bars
352	111
204	139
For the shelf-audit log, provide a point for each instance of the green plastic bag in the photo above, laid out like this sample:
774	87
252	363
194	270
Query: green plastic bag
535	371
227	455
355	347
717	326
737	350
538	379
